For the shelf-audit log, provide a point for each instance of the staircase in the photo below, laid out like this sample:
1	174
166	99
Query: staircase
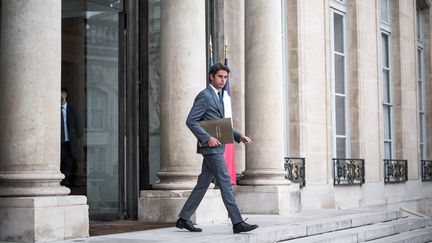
382	227
325	225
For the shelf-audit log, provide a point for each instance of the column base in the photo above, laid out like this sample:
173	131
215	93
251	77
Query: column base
279	200
31	184
163	206
176	181
264	178
39	219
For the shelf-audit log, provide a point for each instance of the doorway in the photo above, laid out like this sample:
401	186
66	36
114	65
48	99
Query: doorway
93	60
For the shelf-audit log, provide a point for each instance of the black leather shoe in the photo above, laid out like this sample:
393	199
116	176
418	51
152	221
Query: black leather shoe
187	224
243	227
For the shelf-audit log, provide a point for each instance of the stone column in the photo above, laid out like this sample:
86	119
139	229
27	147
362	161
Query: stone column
183	76
230	30
34	206
405	91
234	28
264	94
264	174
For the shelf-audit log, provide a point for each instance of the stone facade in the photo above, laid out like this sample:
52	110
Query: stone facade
311	108
31	76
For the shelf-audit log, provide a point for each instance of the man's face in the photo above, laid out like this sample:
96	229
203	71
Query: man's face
218	80
63	97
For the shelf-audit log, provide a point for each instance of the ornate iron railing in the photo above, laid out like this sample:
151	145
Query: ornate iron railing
395	171
348	171
426	170
295	168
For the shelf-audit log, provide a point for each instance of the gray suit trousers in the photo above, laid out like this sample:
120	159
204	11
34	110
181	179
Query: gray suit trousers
213	165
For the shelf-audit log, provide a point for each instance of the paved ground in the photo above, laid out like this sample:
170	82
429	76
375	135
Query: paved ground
222	232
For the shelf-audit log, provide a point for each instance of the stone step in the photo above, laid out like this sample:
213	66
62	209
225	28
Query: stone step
348	221
415	236
272	228
307	228
367	232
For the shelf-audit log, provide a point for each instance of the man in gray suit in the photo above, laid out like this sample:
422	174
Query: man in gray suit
208	105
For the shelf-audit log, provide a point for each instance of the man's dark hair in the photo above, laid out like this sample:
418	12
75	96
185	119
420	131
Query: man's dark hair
216	68
63	89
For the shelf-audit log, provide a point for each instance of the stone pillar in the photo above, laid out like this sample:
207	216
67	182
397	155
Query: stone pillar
264	94
405	91
34	207
230	29
366	102
264	174
183	76
309	102
234	28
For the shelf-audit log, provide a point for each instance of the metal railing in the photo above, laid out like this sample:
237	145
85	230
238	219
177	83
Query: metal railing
395	171
426	170
295	168
348	171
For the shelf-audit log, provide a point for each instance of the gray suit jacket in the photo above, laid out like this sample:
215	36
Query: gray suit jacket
206	107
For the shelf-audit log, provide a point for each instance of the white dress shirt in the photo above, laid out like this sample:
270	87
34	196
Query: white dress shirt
215	90
66	135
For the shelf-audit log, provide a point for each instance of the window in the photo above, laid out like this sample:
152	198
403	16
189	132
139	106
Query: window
96	110
339	80
421	83
385	12
386	80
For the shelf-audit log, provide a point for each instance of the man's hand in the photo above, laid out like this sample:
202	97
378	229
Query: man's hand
213	142
245	139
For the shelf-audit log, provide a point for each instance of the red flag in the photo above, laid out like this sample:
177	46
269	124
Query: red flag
229	148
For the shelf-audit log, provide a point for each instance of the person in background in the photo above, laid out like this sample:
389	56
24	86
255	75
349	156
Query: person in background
71	132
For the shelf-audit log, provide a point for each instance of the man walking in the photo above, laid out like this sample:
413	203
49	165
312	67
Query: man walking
208	105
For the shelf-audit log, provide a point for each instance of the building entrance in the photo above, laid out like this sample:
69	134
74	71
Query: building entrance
92	75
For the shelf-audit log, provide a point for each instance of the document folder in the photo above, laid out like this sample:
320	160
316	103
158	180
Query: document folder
221	129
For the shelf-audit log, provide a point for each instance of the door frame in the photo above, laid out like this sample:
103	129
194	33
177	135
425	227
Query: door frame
135	127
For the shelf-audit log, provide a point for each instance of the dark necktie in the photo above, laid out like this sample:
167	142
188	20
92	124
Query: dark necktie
62	125
221	102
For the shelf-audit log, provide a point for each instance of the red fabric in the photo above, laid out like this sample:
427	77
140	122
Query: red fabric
230	162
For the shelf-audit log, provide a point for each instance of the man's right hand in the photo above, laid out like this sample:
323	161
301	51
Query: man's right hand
213	142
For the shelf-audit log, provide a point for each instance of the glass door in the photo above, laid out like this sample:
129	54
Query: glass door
92	64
